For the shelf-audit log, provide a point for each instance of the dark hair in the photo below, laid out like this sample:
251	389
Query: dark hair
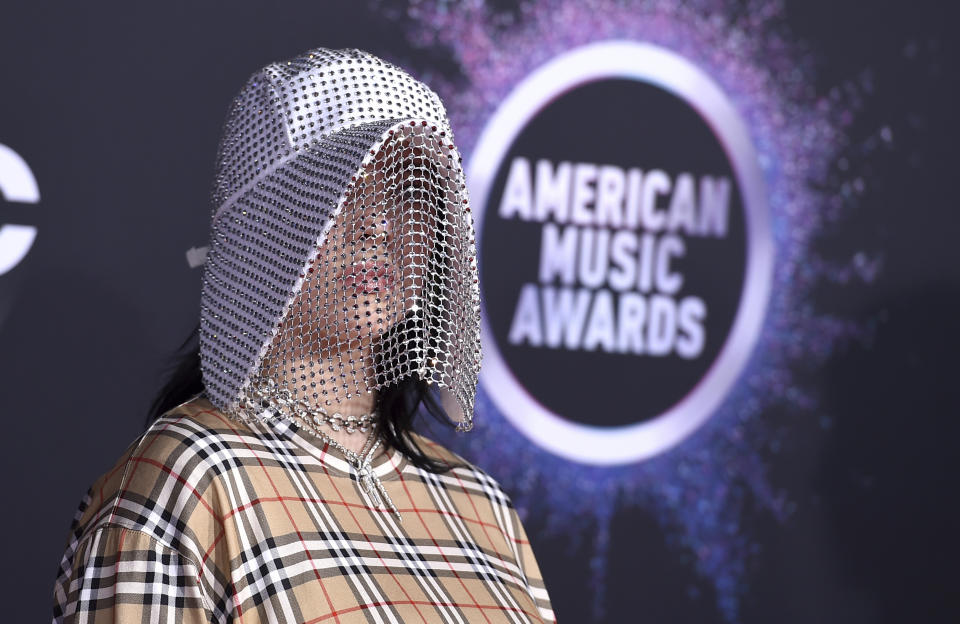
399	403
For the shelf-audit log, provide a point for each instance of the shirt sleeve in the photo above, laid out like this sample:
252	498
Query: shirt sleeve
123	575
528	564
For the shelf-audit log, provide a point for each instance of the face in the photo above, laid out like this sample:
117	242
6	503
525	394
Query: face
369	271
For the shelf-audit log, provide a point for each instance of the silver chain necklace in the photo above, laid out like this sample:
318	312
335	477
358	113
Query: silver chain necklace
265	394
282	399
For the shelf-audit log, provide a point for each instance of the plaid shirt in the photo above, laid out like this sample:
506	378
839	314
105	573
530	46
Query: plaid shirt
204	519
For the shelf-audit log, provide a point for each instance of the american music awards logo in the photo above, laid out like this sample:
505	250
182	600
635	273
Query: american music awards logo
625	251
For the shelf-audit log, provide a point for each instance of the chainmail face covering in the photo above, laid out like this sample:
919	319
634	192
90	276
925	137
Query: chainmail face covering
342	256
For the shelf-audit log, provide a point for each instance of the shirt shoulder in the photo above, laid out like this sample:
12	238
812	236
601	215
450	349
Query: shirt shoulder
114	562
166	483
471	490
464	473
157	509
476	492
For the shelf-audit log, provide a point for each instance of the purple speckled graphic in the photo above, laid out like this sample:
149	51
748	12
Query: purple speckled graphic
697	490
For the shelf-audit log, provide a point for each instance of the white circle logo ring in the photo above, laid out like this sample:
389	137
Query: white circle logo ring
17	184
674	74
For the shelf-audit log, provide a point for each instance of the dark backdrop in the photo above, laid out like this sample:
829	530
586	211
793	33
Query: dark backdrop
117	109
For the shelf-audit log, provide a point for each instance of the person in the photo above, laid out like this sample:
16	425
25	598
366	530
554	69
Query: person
280	479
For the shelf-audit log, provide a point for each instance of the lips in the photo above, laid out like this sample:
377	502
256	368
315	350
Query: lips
368	276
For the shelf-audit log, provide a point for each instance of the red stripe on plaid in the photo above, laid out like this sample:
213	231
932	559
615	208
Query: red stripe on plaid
482	608
367	537
296	529
343	503
437	545
169	470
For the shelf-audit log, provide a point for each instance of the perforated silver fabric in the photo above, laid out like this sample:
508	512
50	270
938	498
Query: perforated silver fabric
342	255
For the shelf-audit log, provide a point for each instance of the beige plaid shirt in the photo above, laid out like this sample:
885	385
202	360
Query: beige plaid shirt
204	519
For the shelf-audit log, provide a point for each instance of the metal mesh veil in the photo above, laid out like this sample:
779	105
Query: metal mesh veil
342	256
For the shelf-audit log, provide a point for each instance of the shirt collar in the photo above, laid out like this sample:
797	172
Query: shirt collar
387	463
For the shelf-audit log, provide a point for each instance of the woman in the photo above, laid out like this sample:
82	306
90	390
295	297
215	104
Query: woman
280	480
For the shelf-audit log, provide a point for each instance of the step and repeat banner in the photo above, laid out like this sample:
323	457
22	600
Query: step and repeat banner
719	278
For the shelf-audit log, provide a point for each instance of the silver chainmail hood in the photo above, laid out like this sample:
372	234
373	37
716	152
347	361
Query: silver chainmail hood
342	256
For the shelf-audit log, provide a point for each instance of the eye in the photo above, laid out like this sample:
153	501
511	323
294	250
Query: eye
370	232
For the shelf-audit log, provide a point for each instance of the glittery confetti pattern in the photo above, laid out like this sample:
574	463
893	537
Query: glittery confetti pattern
698	490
